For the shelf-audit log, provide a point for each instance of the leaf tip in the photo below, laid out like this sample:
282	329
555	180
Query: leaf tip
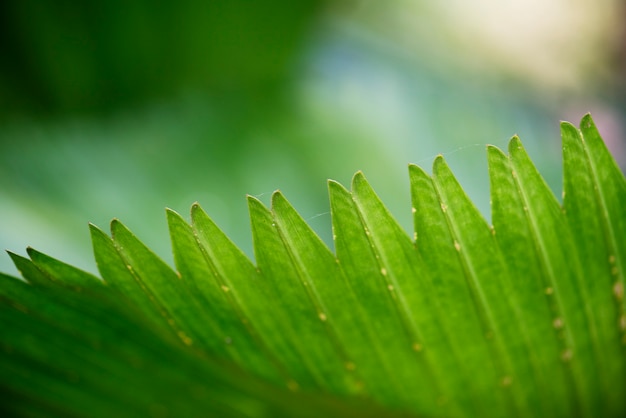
31	251
93	229
195	209
278	199
439	163
493	150
172	215
587	122
116	225
515	144
254	201
358	176
567	128
358	180
335	187
416	171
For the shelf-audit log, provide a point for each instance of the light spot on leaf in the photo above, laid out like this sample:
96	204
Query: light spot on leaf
350	366
322	316
557	323
417	347
506	381
444	208
185	338
383	271
618	290
390	287
225	288
413	210
549	291
228	340
567	355
457	246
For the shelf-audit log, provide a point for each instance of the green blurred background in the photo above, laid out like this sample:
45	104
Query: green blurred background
119	109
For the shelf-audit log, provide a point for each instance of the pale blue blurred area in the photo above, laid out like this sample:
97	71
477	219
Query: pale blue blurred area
354	99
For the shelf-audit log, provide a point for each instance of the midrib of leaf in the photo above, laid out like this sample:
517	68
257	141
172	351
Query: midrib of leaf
567	295
594	205
455	301
249	291
348	328
356	258
117	276
514	237
297	243
399	265
315	268
156	280
589	130
487	277
293	310
228	325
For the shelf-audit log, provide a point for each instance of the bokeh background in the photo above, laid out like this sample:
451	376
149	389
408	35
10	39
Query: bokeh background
119	109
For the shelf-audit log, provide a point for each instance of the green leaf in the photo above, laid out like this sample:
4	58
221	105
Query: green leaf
594	201
463	324
299	318
530	287
230	336
522	318
391	353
